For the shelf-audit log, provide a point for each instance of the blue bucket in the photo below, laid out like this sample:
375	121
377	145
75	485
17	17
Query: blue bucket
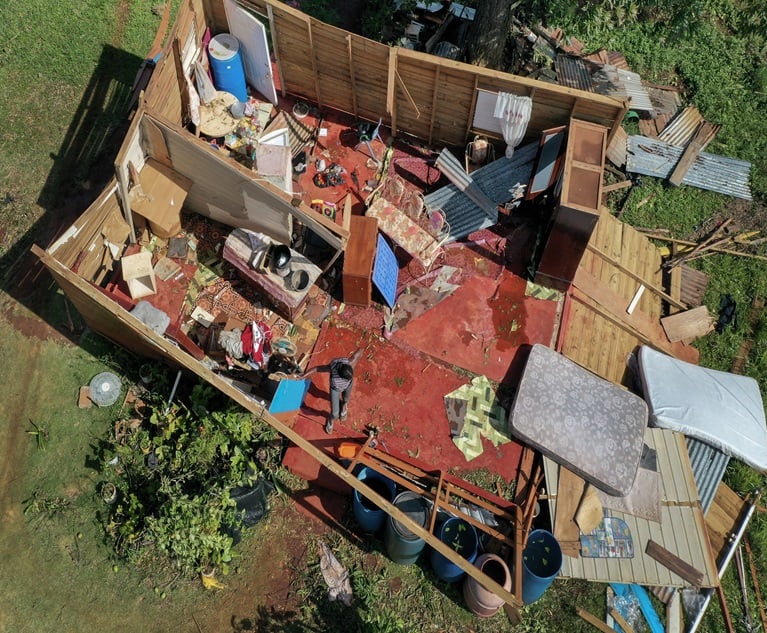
369	516
226	64
402	545
460	536
541	562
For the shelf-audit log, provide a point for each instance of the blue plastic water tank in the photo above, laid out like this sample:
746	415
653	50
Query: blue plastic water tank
226	64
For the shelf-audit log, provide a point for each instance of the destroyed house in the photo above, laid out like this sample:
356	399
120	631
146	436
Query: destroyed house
377	172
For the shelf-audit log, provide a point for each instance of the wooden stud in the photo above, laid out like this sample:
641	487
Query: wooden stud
670	560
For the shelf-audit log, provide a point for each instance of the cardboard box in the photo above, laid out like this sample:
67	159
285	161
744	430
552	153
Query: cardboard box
159	198
139	275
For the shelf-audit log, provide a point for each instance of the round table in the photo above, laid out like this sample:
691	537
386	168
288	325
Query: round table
216	118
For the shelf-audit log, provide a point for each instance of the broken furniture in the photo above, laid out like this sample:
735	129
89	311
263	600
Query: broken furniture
246	251
138	274
159	197
358	260
406	233
216	118
578	210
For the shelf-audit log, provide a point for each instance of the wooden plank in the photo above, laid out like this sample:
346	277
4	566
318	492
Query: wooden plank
638	278
625	626
723	518
594	621
616	186
590	292
688	325
674	563
569	492
703	136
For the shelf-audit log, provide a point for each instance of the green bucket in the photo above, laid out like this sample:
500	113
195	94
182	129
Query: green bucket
402	545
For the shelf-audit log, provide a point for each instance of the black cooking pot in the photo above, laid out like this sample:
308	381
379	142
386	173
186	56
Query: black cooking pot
281	258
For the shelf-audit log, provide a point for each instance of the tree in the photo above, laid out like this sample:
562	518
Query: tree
486	43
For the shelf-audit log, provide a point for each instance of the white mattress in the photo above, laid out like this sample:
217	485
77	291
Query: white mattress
716	407
591	426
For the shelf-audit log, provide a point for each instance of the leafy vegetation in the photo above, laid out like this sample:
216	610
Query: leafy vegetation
174	474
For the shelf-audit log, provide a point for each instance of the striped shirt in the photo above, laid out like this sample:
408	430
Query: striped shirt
337	382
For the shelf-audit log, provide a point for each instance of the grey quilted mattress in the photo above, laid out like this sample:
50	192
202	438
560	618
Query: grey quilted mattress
585	423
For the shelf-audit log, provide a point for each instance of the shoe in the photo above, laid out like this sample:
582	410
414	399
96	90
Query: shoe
329	426
344	413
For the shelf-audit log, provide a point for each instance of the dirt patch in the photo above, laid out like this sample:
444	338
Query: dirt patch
264	591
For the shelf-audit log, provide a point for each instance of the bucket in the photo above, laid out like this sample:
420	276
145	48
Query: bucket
541	562
226	64
460	536
481	601
369	516
401	544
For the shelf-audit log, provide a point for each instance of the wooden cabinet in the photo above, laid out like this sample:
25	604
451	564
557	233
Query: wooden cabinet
578	212
358	260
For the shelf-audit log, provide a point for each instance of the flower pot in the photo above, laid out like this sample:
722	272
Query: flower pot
481	601
109	492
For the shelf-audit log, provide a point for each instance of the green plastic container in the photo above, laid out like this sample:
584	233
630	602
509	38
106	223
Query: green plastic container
402	545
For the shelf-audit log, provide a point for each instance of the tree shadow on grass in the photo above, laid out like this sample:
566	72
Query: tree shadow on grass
81	169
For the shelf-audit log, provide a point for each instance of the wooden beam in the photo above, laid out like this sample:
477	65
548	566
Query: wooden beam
179	358
625	626
315	72
670	560
408	96
725	251
594	621
391	89
755	580
690	154
595	295
472	110
352	77
725	610
275	48
435	92
569	493
616	186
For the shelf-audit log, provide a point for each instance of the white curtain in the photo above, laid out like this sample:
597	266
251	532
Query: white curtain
513	114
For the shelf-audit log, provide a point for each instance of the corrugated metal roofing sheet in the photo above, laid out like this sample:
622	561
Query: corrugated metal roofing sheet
635	91
681	130
495	179
573	73
652	157
708	466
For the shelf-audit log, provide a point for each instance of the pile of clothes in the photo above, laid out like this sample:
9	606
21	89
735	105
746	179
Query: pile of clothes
251	345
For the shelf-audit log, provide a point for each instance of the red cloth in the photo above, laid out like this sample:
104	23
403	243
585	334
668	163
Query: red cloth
255	347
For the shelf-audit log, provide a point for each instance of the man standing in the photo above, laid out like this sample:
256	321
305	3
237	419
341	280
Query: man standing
341	372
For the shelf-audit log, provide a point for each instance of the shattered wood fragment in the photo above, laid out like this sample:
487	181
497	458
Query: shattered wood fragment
569	493
670	560
625	626
688	325
594	621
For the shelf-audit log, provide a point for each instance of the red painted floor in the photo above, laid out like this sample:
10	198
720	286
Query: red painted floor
482	326
400	392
